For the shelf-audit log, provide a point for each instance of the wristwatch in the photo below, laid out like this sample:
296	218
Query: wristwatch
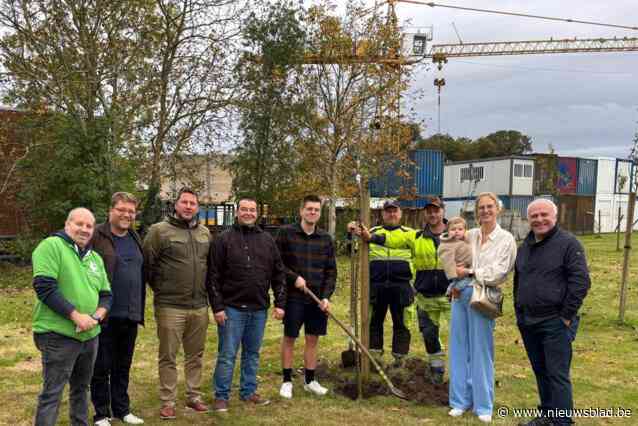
96	318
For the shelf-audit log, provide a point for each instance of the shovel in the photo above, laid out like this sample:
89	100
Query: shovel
393	389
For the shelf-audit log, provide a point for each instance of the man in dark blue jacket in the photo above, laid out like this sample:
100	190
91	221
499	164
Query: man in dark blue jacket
551	280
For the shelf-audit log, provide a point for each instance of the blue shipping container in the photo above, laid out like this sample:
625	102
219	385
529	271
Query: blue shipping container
517	203
429	171
587	171
425	176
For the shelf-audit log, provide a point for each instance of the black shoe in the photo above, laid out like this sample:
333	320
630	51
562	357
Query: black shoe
537	421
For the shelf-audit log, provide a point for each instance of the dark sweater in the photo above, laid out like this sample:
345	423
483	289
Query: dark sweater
309	256
550	278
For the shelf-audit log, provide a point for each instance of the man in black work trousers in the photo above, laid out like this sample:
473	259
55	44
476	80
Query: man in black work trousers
121	249
551	280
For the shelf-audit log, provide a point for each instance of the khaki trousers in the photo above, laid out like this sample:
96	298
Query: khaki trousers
180	327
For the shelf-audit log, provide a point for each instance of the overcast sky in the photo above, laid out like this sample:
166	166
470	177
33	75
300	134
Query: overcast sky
582	104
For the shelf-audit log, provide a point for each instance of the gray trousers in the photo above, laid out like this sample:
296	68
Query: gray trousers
64	360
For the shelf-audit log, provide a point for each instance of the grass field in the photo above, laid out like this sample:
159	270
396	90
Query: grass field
604	369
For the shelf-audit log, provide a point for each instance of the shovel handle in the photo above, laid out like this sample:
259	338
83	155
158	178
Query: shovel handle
374	362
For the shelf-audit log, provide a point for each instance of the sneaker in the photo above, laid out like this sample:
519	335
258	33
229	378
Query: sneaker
167	412
256	400
132	419
436	375
456	412
198	406
485	418
286	390
315	388
103	422
220	406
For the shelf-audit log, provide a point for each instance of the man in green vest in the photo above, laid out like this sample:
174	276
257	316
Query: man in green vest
430	282
390	289
73	296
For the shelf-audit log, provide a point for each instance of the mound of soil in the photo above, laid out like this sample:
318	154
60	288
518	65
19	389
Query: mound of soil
413	379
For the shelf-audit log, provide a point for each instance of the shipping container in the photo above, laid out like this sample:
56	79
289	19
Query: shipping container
605	175
428	171
421	175
587	170
606	219
517	203
509	176
623	176
567	181
576	213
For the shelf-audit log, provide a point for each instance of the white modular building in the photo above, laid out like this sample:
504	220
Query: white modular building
613	184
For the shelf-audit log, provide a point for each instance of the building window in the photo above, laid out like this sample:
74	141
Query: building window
528	171
523	170
472	173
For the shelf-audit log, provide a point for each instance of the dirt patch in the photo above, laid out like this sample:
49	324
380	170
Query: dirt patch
413	379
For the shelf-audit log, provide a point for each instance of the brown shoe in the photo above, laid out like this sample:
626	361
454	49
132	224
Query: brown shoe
167	412
221	406
257	400
198	406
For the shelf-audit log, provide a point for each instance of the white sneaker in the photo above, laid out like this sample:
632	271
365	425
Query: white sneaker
132	419
286	390
103	422
456	412
315	388
485	418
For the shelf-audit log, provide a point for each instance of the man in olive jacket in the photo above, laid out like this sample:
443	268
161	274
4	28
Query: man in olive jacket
175	253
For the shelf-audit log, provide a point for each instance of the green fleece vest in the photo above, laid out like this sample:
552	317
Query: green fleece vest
80	281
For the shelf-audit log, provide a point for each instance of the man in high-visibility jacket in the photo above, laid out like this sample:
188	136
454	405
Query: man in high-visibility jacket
390	274
430	283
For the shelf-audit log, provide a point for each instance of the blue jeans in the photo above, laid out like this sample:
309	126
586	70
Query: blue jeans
64	360
471	344
549	349
246	328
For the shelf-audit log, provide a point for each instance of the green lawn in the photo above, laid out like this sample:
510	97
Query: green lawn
604	371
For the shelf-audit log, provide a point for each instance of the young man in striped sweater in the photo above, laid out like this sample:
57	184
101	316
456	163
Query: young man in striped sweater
309	261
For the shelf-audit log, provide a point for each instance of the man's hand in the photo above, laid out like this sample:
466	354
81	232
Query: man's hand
353	227
220	317
325	305
300	283
566	322
83	322
278	313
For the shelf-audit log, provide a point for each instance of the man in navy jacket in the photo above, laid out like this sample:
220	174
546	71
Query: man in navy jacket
551	280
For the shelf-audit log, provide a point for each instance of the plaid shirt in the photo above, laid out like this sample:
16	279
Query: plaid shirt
310	256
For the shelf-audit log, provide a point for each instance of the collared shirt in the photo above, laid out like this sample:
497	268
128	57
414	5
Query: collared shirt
493	260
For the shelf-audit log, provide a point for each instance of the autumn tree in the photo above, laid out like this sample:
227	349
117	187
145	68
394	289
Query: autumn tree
265	163
354	123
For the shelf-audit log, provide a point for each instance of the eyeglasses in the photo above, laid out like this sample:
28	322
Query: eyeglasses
125	211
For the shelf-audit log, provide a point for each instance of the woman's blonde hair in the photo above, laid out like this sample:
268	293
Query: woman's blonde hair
497	201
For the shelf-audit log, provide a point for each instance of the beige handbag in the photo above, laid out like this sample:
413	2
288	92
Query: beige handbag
487	300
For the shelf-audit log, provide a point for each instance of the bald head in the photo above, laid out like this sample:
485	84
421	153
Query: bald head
79	226
541	215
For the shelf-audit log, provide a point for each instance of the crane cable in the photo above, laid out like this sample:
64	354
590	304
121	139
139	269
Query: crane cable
524	15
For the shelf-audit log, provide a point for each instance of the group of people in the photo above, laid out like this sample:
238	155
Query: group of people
90	286
447	264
